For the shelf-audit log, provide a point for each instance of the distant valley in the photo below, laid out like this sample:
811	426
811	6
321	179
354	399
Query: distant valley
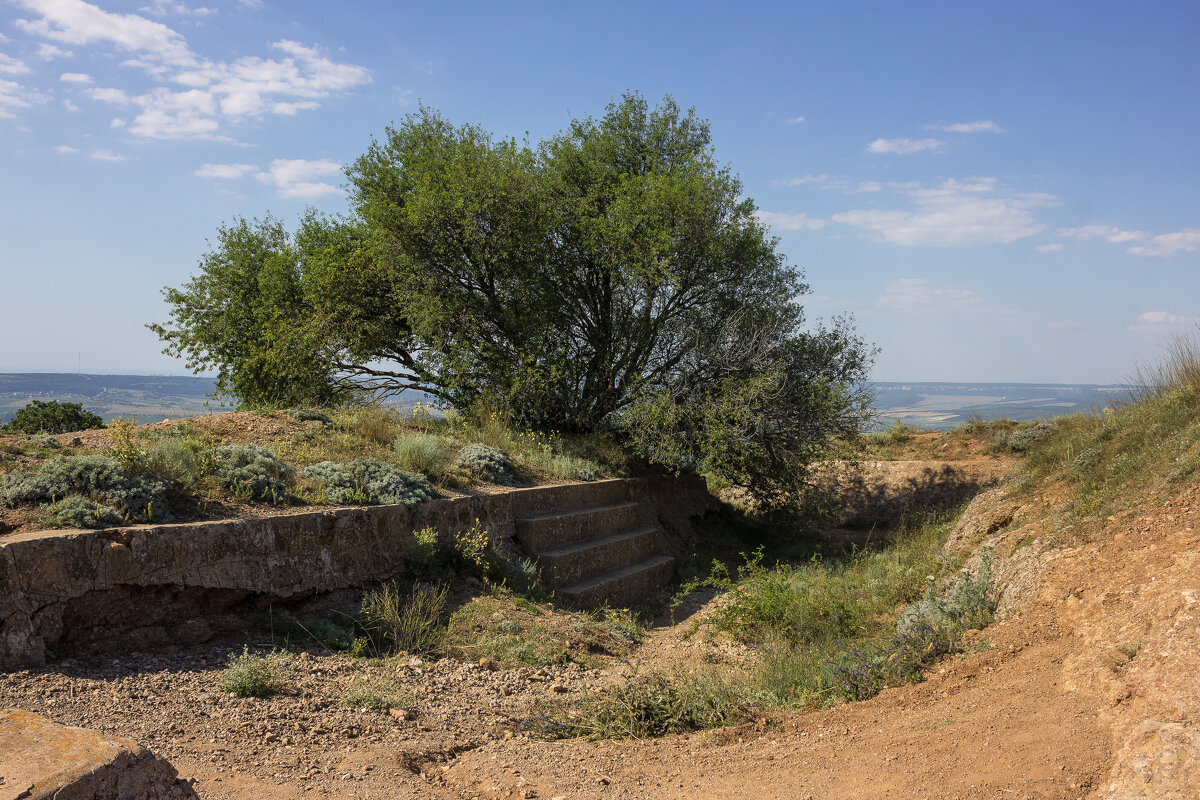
937	406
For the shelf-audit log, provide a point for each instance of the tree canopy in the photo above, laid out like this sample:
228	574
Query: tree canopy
613	276
41	416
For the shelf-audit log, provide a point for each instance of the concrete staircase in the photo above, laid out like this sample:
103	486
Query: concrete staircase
595	547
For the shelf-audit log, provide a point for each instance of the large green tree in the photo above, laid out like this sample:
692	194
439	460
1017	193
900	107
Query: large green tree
613	276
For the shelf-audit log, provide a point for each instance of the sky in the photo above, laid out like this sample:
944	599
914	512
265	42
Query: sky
995	191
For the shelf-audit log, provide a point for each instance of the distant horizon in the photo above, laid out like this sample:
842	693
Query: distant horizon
1114	384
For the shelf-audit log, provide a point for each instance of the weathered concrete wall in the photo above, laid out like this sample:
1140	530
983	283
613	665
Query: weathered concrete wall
174	582
41	760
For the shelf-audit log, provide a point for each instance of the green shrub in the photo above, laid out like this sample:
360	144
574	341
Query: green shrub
309	415
251	471
378	694
422	453
407	622
652	705
254	675
487	463
185	462
573	469
373	423
98	478
1023	439
52	417
79	512
368	481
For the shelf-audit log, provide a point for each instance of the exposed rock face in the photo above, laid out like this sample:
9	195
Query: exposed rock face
155	583
40	760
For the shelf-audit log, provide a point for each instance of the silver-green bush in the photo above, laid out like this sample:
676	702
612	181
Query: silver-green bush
252	471
79	512
368	481
487	463
97	478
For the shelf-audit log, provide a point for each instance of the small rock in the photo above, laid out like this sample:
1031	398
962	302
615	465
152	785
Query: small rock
487	663
401	714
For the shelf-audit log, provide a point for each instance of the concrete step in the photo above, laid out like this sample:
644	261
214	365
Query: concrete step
550	531
573	563
546	499
620	587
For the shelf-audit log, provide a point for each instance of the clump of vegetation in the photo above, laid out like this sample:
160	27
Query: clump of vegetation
252	472
256	675
369	481
487	463
309	415
404	621
52	417
825	631
186	463
895	435
1023	438
423	453
96	478
378	694
79	512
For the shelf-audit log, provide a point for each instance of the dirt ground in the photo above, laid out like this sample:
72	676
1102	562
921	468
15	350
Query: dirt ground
1089	690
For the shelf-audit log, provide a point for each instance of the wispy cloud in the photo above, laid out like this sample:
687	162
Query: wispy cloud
13	66
954	213
801	180
1106	232
197	97
225	171
1162	320
798	221
1149	245
66	148
978	126
1168	244
48	52
1048	248
160	8
904	146
917	295
794	120
13	96
105	155
295	178
75	77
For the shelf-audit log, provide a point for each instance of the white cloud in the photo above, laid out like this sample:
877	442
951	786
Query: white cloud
1048	248
48	52
224	171
13	96
117	122
296	178
160	8
799	181
953	213
1107	232
1168	244
12	66
69	106
104	155
794	120
214	93
916	295
66	148
4	39
79	23
791	222
75	77
978	126
904	146
1160	320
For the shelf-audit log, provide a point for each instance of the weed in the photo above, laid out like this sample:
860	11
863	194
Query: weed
397	621
423	453
378	694
256	675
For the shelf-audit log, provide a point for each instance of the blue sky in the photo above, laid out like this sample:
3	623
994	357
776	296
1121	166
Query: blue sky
996	191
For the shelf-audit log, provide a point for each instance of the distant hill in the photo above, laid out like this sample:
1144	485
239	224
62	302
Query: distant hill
146	398
941	406
937	406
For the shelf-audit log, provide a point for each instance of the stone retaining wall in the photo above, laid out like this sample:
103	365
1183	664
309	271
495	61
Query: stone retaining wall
175	582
